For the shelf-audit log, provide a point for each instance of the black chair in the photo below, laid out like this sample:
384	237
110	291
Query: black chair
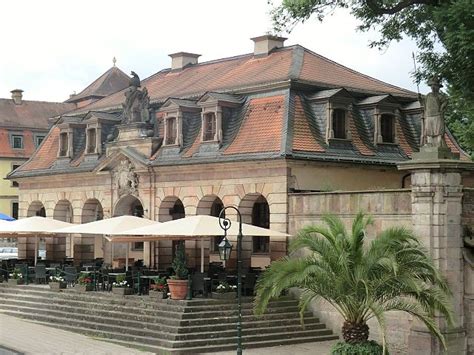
248	284
70	275
40	273
198	284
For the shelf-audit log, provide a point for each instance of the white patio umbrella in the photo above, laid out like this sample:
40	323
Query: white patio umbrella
32	226
193	227
110	226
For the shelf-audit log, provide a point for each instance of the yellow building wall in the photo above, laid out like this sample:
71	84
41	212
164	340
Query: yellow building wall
8	194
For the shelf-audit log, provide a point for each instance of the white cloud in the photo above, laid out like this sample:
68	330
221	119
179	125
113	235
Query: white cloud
52	48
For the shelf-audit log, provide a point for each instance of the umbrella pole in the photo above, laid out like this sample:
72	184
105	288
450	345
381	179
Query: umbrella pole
126	256
202	256
36	249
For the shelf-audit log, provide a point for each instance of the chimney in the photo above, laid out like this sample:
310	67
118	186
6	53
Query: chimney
264	44
17	96
182	59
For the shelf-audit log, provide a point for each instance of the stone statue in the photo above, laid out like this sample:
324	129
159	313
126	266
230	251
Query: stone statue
125	178
137	102
434	107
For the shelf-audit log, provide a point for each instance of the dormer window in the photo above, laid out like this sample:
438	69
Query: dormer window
387	128
91	140
63	144
209	127
339	123
171	131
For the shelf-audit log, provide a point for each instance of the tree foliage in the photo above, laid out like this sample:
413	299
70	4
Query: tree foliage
442	29
360	279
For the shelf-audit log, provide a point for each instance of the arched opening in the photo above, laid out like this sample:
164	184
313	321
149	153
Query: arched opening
92	211
63	212
171	208
211	205
36	208
132	206
255	210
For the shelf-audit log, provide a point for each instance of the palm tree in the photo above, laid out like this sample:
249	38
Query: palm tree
360	279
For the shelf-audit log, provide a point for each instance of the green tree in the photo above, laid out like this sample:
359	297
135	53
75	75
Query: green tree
360	279
442	29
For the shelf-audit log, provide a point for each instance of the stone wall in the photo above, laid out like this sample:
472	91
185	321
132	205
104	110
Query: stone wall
468	222
388	208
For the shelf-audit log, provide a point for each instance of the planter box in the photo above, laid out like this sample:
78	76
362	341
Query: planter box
122	291
224	295
15	282
83	288
56	286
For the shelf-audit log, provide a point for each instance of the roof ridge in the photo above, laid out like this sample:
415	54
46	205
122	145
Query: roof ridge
356	72
38	101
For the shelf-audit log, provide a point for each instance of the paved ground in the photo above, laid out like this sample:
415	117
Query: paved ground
19	336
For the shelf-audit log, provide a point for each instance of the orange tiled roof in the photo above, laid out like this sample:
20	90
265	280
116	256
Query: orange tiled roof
303	139
262	127
356	139
194	147
30	114
249	71
6	150
402	141
46	154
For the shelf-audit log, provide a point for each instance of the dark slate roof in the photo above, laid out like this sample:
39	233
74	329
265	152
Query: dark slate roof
111	81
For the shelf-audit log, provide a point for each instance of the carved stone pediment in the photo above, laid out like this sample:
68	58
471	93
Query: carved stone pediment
125	178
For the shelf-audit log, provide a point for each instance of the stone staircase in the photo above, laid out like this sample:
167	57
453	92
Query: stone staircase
162	326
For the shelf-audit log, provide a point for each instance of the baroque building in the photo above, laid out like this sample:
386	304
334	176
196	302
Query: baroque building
250	131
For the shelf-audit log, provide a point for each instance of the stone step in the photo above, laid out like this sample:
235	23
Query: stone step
199	345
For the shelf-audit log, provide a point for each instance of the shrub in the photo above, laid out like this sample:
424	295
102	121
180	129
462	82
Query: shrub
365	348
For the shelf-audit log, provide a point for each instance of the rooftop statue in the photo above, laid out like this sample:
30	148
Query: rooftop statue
137	102
434	104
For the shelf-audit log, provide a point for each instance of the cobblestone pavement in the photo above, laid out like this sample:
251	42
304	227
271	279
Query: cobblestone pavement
18	336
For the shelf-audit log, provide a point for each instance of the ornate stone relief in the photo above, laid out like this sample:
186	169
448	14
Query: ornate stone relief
125	178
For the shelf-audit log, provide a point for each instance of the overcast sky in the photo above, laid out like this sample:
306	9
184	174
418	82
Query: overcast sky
52	48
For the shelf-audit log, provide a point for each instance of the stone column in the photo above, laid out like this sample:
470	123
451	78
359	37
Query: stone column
436	219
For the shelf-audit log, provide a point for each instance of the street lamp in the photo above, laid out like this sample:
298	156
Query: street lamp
225	248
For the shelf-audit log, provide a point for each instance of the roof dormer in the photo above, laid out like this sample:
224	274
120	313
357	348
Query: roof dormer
71	131
384	111
212	104
98	125
338	112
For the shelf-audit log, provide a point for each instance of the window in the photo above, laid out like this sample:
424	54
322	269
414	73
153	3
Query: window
15	183
137	246
39	140
91	140
339	123
209	127
17	141
261	218
63	144
171	130
387	128
14	210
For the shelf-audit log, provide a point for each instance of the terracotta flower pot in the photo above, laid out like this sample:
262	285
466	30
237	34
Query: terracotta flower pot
178	289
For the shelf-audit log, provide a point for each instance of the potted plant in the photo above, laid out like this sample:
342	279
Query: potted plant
15	278
121	286
158	288
225	291
84	282
57	283
178	283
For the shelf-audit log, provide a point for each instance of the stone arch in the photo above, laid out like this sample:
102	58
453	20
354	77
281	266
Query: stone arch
210	205
63	211
92	211
36	208
129	205
171	208
255	210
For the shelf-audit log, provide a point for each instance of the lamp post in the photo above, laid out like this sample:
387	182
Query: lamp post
225	248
